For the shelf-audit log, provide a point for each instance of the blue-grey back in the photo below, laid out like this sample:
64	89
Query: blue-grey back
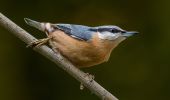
77	31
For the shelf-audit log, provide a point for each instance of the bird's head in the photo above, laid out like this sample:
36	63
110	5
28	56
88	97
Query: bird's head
111	32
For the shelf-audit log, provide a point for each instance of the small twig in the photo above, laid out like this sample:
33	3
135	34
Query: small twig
57	58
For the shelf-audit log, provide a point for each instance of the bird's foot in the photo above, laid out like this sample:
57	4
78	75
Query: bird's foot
39	42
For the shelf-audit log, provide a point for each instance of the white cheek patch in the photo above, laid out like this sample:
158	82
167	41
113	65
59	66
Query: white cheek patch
108	35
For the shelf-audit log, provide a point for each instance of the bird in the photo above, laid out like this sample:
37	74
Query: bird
83	46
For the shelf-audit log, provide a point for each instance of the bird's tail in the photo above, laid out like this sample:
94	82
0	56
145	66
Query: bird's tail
38	25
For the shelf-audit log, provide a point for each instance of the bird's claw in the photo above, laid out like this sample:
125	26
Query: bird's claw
39	42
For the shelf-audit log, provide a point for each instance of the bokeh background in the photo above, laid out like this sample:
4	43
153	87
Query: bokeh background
139	68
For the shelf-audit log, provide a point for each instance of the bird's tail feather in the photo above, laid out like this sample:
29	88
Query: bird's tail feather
38	25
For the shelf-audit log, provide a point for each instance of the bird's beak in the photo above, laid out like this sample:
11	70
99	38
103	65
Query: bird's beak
129	33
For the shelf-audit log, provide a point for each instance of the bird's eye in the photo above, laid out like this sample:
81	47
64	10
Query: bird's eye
115	31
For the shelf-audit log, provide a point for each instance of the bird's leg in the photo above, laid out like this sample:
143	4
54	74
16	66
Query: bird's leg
39	42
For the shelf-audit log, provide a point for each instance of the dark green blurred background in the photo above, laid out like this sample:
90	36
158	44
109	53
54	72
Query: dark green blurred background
139	68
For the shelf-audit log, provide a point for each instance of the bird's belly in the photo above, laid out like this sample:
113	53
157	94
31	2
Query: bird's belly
84	59
80	53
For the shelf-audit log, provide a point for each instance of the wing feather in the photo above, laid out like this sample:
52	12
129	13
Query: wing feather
79	32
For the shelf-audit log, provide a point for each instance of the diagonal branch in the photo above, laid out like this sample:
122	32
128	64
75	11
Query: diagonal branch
57	59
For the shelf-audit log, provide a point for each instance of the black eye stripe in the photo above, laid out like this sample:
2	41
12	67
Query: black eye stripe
104	29
123	31
115	30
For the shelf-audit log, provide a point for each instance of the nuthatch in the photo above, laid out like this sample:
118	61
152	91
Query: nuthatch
84	46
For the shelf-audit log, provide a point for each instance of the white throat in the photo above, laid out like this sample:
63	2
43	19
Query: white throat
108	35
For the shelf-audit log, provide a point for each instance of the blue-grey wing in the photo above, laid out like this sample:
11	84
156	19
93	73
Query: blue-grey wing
76	31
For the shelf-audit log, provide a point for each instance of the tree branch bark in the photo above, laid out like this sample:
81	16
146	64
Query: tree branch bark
58	59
